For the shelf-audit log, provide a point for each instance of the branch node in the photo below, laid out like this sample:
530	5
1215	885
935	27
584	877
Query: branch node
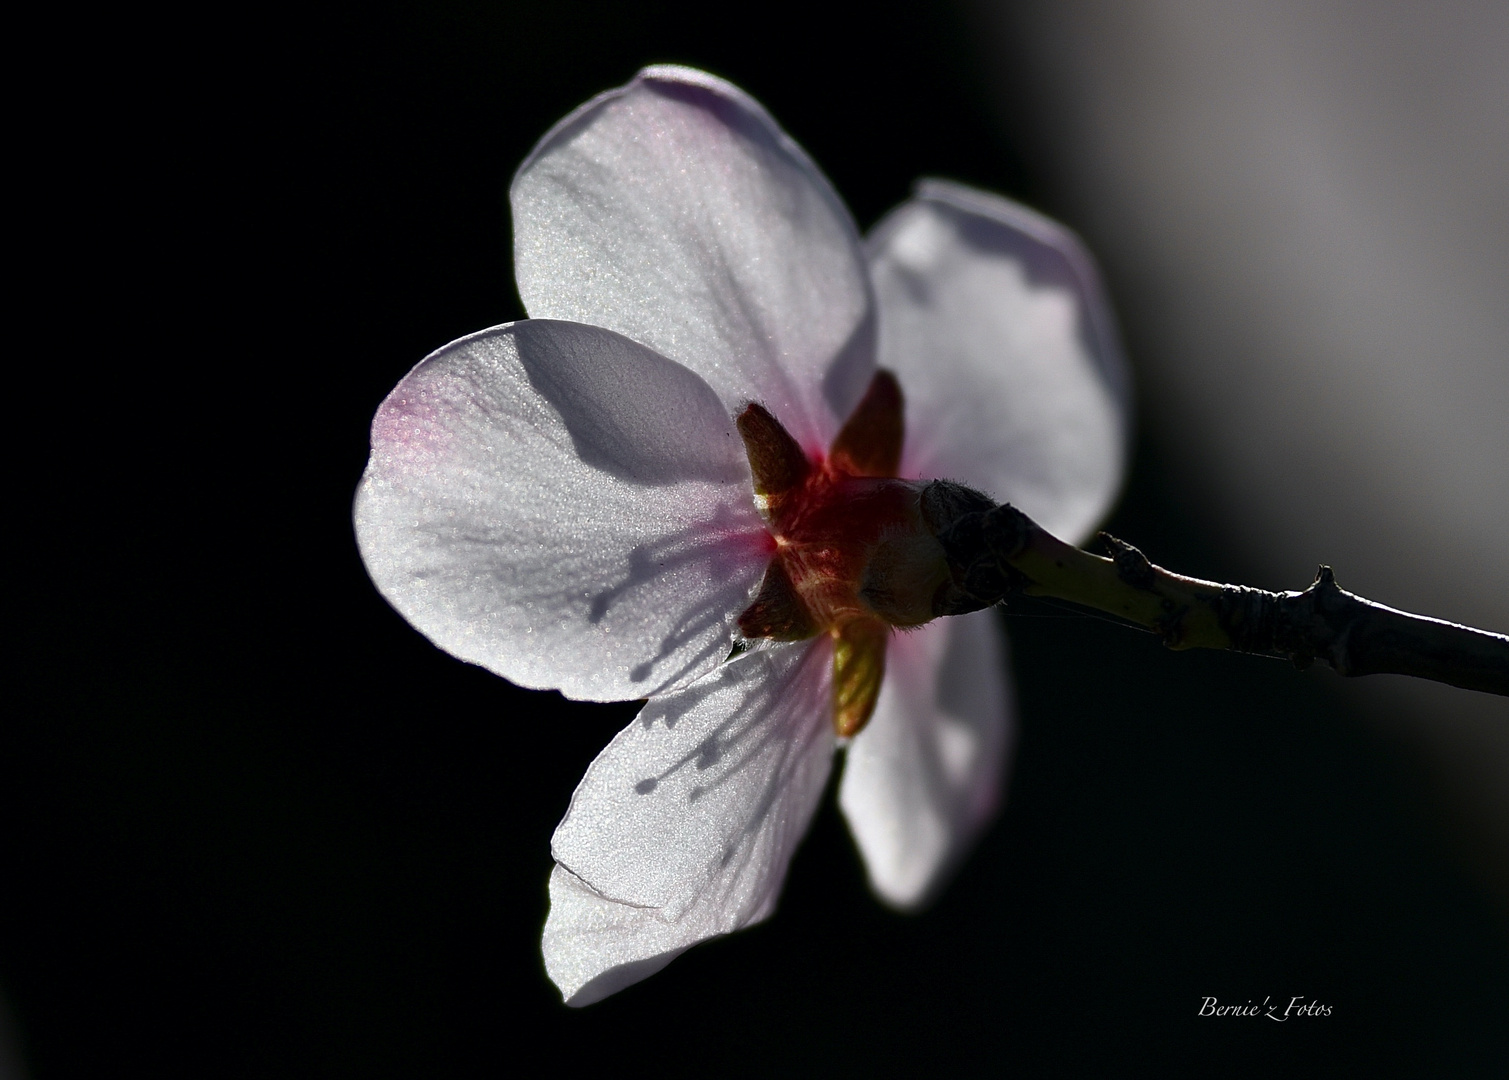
1250	618
979	540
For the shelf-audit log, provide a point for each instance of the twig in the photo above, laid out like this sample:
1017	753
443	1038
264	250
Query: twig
995	551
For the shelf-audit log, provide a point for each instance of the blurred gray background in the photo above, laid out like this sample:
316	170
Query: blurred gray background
1303	209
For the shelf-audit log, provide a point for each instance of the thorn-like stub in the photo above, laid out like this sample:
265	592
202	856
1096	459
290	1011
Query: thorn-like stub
1328	595
1316	611
1132	566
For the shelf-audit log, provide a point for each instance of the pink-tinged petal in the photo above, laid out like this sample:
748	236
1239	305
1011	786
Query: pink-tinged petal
564	507
683	827
994	320
925	775
673	210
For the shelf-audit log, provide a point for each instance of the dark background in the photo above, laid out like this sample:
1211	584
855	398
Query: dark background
257	826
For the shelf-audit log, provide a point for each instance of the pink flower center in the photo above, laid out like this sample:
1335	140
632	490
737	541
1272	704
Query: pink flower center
840	526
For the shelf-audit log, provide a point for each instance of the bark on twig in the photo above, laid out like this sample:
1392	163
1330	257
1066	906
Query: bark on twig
997	551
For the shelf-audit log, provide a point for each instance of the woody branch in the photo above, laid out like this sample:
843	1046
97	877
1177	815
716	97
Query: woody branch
996	551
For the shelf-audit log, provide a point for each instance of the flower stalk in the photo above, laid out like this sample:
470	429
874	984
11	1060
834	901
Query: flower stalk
996	551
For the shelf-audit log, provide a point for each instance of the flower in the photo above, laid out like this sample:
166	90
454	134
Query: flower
689	478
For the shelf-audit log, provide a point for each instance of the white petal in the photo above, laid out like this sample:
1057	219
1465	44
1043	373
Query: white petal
994	320
925	775
565	508
675	211
683	827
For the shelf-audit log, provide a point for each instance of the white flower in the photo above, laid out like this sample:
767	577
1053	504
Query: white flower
568	502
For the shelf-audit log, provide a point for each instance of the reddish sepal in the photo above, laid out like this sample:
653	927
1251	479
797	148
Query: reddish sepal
778	612
775	458
870	442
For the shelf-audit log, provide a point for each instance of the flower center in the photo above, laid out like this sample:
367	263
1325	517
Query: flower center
852	557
